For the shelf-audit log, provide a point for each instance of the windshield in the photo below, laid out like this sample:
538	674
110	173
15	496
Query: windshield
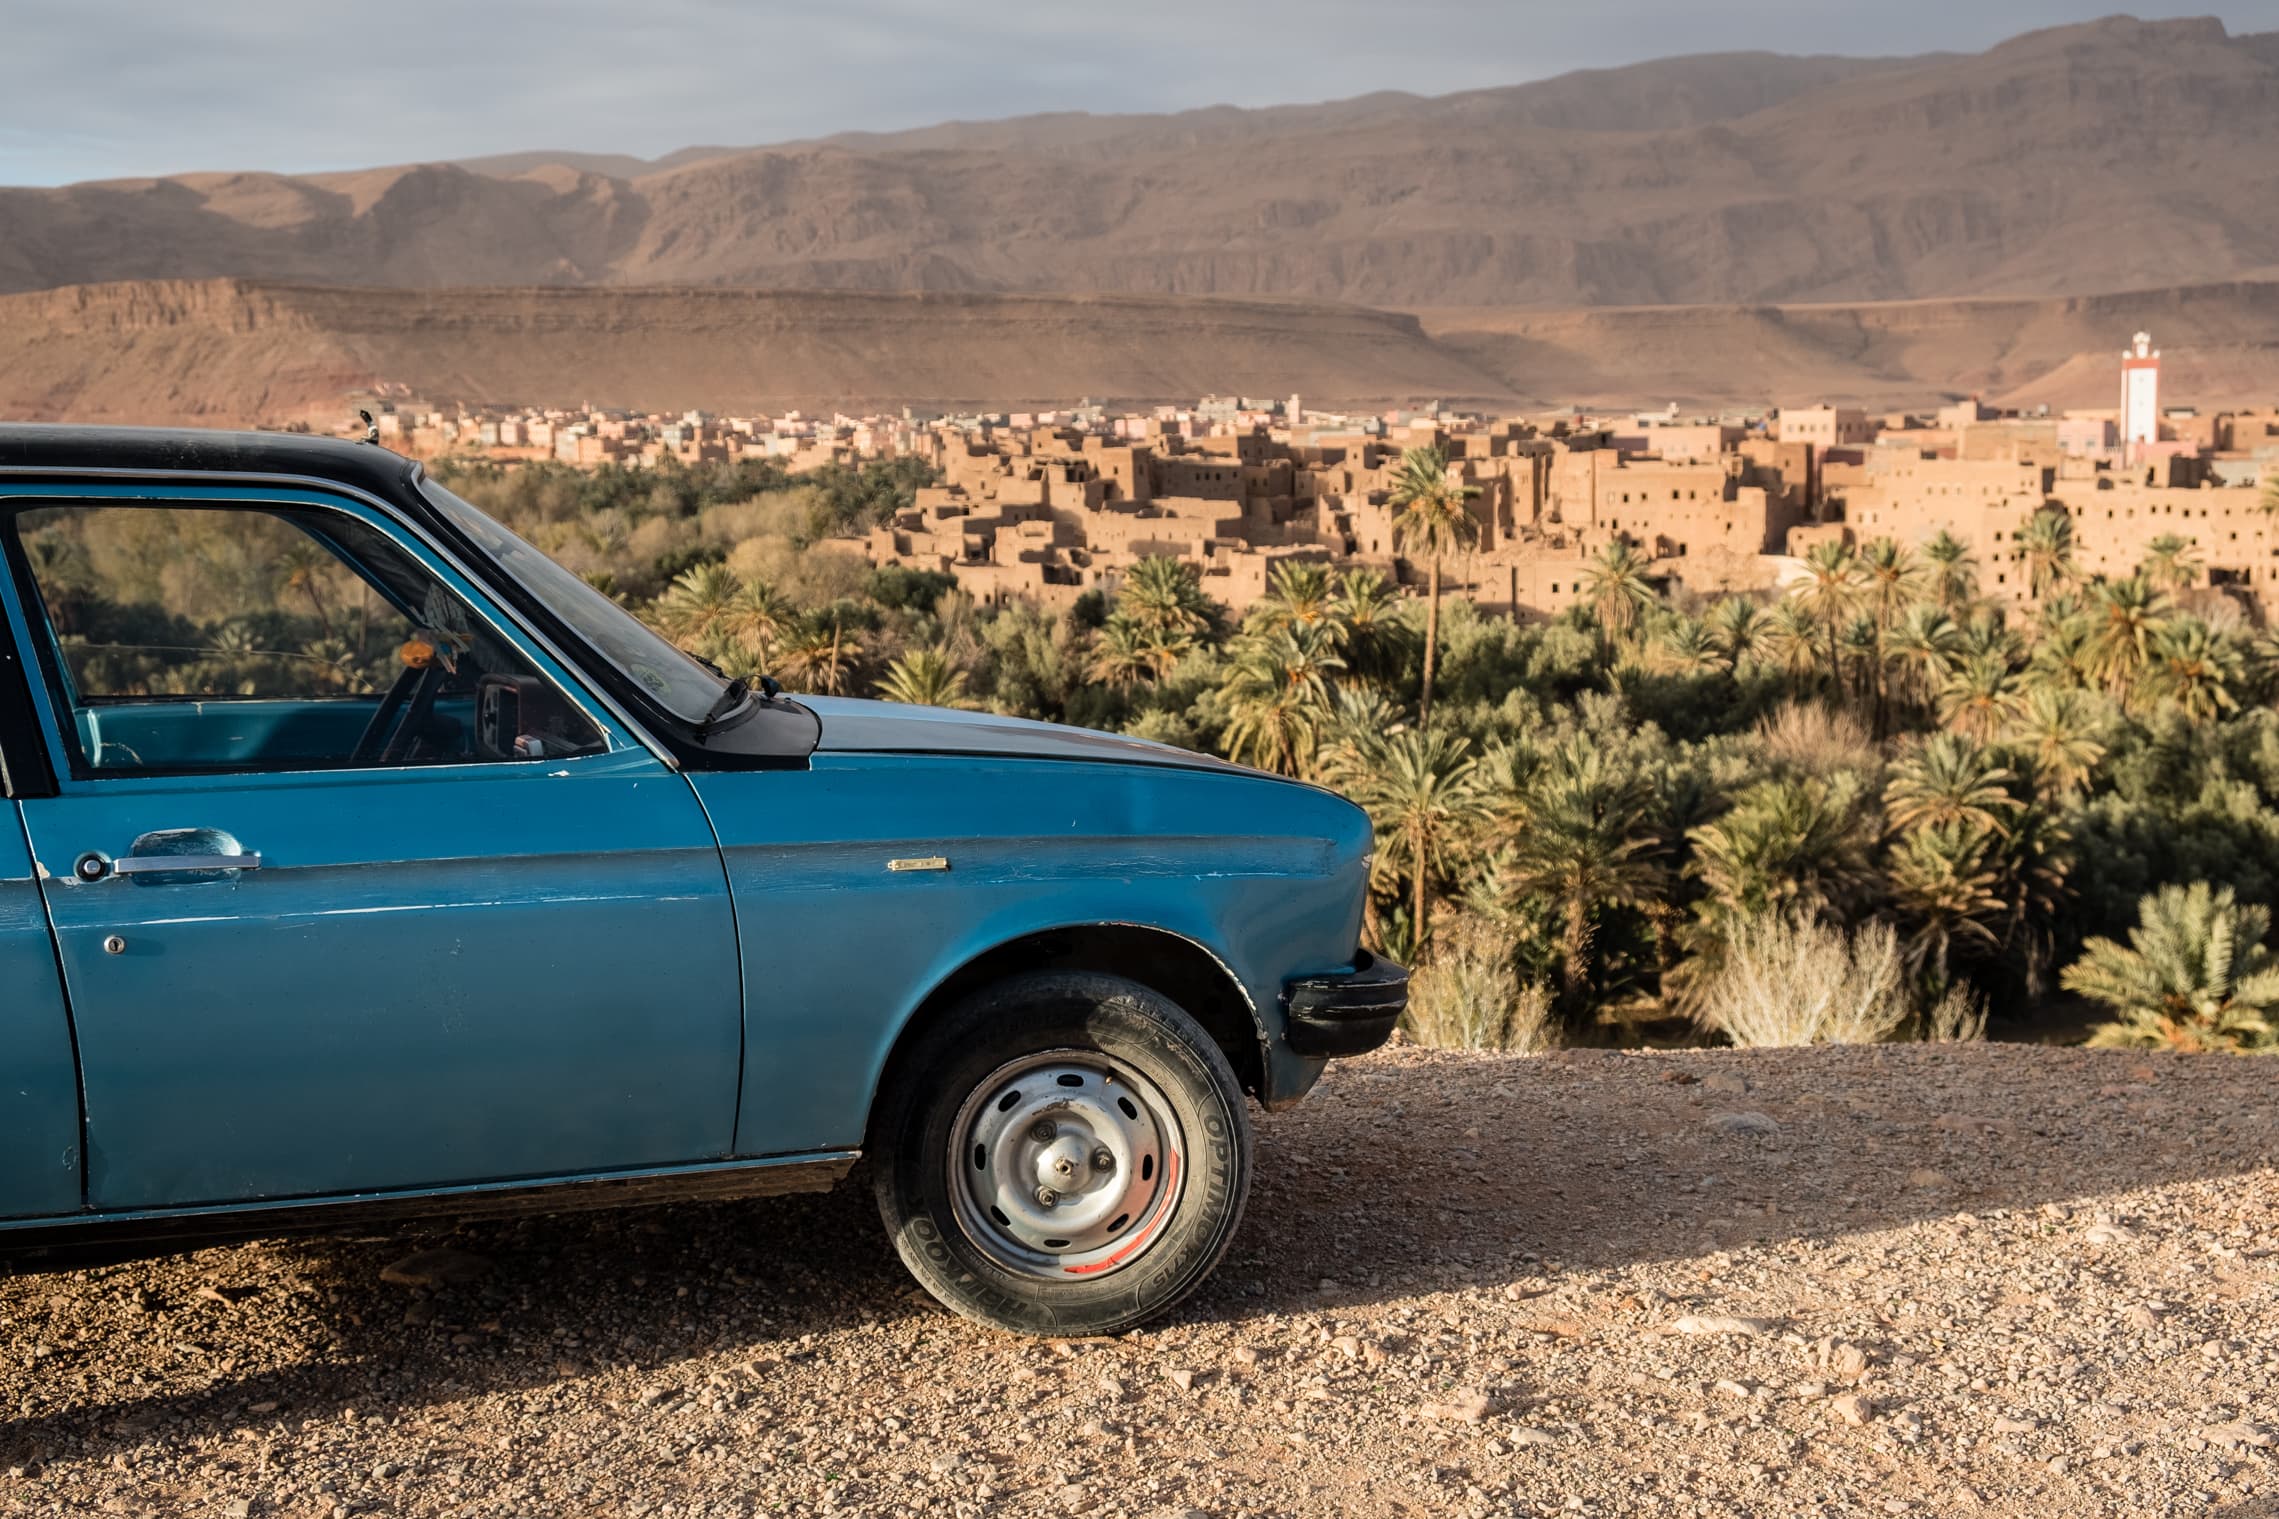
675	680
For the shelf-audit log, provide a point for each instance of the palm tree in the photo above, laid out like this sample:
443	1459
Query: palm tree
1785	845
2047	542
1421	790
756	617
1739	627
2056	729
1925	646
1953	571
1948	779
1891	581
1619	591
1165	597
1684	647
1277	693
1296	592
1831	582
2126	619
2168	563
1944	890
698	604
2195	975
817	655
1434	521
2196	669
1793	637
1377	637
1586	845
1121	654
1979	698
925	678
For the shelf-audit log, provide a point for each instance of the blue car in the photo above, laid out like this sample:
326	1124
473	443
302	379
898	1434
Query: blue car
362	859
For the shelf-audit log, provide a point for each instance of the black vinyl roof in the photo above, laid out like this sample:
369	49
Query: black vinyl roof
69	450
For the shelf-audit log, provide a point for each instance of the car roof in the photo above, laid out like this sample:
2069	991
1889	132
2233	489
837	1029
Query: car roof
64	450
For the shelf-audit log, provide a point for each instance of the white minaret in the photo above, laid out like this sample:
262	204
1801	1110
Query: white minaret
2140	396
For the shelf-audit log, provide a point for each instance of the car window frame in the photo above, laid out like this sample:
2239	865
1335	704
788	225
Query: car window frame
66	767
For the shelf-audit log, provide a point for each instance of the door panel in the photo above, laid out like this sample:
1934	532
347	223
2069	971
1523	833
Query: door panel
39	1090
464	954
436	975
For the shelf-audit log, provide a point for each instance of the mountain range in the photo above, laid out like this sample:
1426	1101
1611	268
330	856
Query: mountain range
2111	155
1736	227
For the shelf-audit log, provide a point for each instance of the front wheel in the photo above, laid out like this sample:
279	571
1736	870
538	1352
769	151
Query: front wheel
1064	1153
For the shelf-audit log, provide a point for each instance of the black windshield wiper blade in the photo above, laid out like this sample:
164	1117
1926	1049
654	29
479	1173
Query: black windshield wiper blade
732	696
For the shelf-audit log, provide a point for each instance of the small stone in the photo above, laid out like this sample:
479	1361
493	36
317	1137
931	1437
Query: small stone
1182	1379
385	1470
1717	1323
1733	1389
1464	1407
2238	1433
1924	1179
2016	1426
2107	1233
1852	1408
1347	1346
238	1508
1072	1497
1743	1123
436	1268
1726	1083
265	1406
1522	1435
1111	1389
2138	1316
652	1396
1243	1355
1811	1390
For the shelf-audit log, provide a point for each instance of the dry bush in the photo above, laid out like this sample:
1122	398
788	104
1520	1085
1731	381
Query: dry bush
1470	998
1789	981
1959	1017
1816	740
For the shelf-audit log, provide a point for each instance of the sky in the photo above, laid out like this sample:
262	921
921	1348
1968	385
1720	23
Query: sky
110	89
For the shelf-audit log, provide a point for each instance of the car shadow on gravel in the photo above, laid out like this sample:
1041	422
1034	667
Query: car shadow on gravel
1404	1177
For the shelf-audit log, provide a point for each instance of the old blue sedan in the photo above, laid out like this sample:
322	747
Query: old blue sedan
362	858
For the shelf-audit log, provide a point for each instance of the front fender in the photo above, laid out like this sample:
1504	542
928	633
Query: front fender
840	951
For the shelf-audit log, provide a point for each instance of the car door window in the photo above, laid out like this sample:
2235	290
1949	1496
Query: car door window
199	638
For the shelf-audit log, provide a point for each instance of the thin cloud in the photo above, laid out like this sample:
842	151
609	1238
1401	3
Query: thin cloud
118	88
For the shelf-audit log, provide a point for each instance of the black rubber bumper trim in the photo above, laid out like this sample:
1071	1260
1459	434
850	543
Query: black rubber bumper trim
1347	1012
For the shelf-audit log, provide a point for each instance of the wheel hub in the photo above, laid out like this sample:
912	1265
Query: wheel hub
1062	1164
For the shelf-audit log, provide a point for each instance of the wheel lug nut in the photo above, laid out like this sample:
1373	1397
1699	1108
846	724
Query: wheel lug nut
1103	1160
1048	1196
1043	1131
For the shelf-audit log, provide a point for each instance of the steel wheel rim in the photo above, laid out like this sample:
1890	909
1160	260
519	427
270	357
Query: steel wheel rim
1096	1135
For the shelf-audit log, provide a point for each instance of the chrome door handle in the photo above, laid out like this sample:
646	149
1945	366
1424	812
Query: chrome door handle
154	864
157	864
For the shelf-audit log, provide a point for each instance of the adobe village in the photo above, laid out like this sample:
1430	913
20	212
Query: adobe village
1042	507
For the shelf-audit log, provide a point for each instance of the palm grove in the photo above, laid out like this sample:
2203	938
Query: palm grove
1871	807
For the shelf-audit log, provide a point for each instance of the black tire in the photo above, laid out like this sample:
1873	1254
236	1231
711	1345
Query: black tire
1124	1029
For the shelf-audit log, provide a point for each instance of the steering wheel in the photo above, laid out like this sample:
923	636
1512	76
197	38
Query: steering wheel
368	744
408	732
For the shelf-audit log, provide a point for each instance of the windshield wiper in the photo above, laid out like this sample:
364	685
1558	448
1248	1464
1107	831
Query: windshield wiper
734	695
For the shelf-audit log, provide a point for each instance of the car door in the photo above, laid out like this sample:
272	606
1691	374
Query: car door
354	888
39	1085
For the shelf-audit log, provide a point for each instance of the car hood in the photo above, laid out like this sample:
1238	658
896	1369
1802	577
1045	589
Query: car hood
852	726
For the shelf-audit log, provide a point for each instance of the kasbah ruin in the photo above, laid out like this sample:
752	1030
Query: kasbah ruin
1046	506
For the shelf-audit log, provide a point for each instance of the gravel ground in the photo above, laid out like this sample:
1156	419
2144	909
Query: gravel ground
1838	1281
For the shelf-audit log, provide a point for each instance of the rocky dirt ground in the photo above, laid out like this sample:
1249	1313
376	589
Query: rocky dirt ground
1841	1281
